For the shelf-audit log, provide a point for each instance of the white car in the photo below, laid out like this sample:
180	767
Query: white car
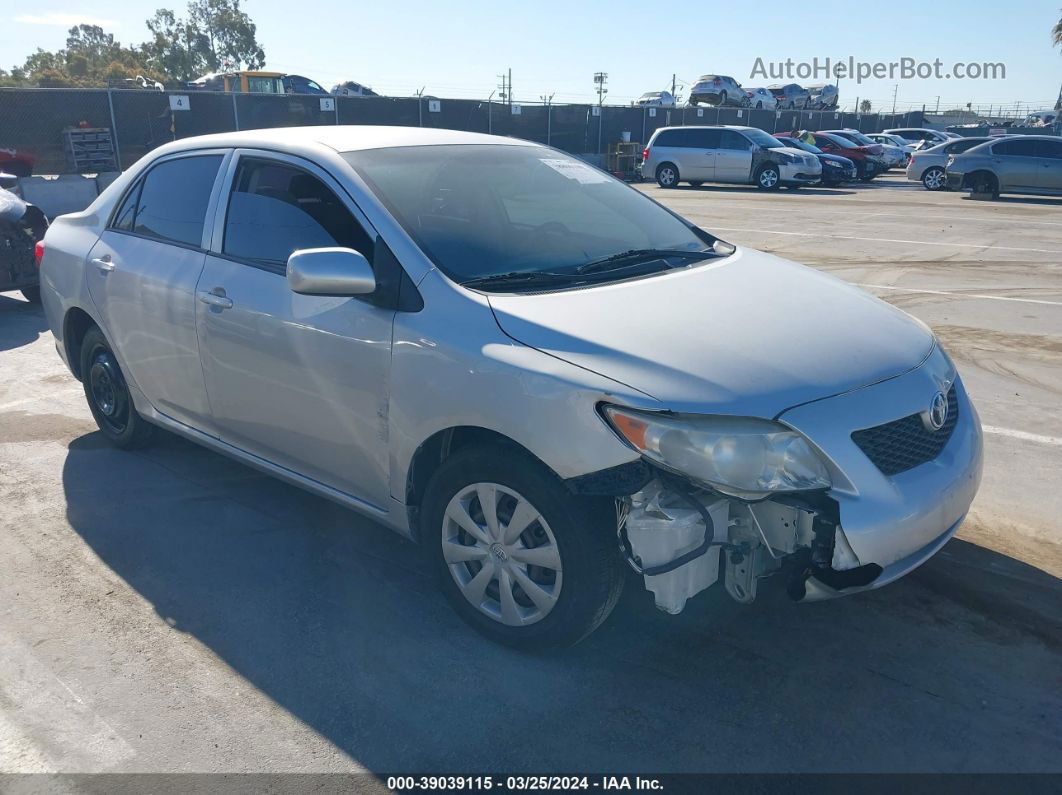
922	137
895	142
529	367
761	98
658	99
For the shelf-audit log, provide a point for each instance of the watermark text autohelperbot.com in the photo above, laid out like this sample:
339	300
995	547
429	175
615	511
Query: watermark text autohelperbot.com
849	68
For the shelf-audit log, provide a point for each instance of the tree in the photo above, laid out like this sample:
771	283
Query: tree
864	106
229	33
1056	33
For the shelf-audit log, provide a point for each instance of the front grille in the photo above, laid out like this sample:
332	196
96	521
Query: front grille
905	443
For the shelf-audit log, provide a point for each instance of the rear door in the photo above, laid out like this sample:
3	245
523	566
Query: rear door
1017	164
142	274
733	160
1050	178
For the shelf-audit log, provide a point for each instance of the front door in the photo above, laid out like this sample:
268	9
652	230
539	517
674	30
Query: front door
733	160
1017	164
1050	172
142	274
299	380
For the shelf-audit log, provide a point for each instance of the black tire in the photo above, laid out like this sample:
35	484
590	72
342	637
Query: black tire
32	294
759	105
667	175
984	185
933	178
584	530
696	183
764	180
722	99
108	396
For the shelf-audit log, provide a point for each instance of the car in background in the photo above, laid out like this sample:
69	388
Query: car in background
349	88
891	155
893	140
17	162
868	159
656	99
240	82
922	137
835	169
761	98
1041	118
790	96
22	227
743	155
928	165
824	96
297	84
1027	164
718	90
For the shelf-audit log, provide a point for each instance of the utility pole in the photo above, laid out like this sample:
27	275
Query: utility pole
505	88
672	85
548	102
938	105
600	78
895	90
420	106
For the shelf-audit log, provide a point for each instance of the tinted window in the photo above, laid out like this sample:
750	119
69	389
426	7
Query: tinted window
173	200
672	138
705	139
733	140
123	219
1051	149
275	209
962	146
1016	147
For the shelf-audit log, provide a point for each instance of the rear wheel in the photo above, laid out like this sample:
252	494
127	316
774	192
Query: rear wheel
934	178
768	177
519	557
984	185
759	105
667	175
108	395
722	98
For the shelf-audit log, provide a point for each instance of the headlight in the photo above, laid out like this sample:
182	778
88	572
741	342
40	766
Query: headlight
787	158
740	456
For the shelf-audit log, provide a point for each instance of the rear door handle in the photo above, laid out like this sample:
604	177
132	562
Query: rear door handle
104	264
213	299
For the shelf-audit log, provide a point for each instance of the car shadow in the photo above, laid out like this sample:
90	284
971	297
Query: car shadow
1045	201
337	621
20	321
803	191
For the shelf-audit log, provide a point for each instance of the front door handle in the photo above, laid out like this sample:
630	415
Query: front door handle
213	299
104	264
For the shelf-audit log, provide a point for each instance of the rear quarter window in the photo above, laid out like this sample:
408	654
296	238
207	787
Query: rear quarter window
173	199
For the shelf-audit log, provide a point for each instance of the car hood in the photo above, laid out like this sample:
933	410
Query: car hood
844	161
749	335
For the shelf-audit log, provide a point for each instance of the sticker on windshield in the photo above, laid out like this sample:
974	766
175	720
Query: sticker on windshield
573	169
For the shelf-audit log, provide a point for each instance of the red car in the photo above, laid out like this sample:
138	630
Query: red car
868	159
16	162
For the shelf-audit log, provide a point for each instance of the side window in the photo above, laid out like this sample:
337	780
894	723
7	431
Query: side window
669	138
733	140
1015	147
1052	149
704	139
275	209
123	219
174	198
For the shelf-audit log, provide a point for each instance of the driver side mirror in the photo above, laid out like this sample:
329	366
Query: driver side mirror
330	271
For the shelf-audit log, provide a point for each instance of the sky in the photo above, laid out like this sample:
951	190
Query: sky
554	48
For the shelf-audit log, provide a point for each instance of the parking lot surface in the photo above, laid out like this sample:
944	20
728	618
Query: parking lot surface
170	610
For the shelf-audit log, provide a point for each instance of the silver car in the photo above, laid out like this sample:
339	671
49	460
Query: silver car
1029	164
928	165
533	369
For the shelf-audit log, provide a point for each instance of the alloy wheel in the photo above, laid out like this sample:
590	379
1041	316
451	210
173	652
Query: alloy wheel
502	554
933	179
768	178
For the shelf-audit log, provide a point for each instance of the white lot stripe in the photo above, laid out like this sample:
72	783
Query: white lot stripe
977	219
881	239
960	295
1028	437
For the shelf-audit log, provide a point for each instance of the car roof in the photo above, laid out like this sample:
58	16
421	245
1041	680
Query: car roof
341	138
707	127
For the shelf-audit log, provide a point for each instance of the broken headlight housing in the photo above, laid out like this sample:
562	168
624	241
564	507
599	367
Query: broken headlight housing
742	457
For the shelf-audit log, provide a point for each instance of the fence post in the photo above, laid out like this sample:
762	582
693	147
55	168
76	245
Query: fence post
600	125
549	121
420	111
335	106
235	113
490	120
114	131
644	111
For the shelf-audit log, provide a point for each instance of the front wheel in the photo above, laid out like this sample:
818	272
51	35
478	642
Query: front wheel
768	177
695	183
667	175
934	178
108	395
520	558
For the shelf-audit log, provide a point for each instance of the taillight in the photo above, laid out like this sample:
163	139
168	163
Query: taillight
645	154
38	252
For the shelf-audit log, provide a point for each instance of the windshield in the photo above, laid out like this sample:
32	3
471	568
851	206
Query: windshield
482	210
798	144
763	139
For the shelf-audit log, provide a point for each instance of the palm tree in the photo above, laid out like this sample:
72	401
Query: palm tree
1056	33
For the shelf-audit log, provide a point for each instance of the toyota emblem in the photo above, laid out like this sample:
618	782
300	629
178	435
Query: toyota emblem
938	411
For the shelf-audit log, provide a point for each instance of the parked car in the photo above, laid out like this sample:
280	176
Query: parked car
240	82
1041	118
297	84
17	162
790	96
658	99
22	226
928	165
894	140
761	98
823	96
835	169
718	90
744	155
541	396
922	137
868	159
349	88
891	155
1028	164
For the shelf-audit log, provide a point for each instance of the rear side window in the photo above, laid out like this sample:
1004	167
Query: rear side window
275	209
1051	149
704	139
1016	147
962	146
123	219
173	199
733	140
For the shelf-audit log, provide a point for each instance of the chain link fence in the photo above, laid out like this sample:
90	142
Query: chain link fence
41	124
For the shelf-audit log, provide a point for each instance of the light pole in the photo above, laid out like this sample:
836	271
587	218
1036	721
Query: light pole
600	78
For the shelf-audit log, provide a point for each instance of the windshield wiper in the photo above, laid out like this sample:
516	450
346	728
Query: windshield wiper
641	255
519	277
